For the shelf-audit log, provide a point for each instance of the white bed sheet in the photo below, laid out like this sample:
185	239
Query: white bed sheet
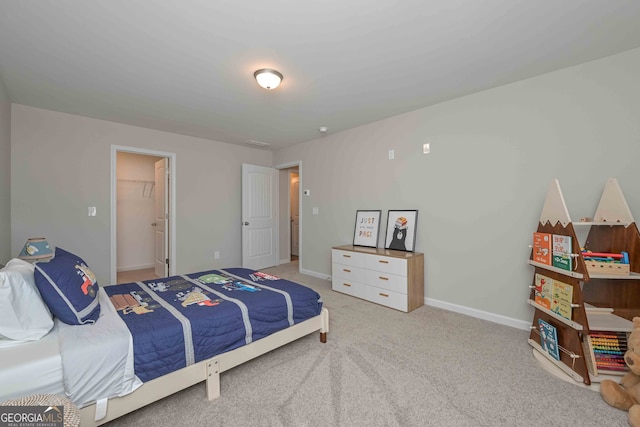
33	367
97	359
87	363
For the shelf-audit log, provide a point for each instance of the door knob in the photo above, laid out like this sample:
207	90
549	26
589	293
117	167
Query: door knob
246	223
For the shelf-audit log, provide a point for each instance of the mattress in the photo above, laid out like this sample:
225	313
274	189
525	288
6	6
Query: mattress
31	368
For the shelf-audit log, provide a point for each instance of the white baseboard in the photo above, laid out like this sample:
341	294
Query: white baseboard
479	314
315	274
135	267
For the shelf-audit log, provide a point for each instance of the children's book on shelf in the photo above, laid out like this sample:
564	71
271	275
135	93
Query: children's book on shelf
549	338
542	248
561	252
562	296
543	291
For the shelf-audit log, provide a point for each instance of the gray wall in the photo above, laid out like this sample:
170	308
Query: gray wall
481	189
5	176
479	193
61	165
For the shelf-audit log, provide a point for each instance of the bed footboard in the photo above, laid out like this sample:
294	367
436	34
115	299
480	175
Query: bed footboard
208	371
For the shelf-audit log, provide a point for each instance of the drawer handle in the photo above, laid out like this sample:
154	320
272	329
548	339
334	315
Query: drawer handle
383	261
347	284
384	295
347	256
347	270
383	278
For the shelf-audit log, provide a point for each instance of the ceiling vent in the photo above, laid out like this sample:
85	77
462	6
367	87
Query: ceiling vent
258	143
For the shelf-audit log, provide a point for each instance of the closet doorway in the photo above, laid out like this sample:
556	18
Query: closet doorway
142	238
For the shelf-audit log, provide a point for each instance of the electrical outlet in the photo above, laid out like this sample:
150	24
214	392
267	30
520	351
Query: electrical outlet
426	149
92	211
392	154
216	255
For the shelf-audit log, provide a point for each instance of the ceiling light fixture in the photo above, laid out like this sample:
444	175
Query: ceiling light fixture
267	78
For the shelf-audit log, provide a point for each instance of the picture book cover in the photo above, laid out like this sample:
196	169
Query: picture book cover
549	338
561	252
542	248
561	299
543	291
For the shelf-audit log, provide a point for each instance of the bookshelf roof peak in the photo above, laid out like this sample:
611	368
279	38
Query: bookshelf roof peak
613	206
555	209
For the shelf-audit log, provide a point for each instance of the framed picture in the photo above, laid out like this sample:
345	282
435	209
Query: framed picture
367	228
401	230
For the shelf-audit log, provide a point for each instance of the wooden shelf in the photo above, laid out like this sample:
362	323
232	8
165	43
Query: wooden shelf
574	325
601	321
600	303
557	270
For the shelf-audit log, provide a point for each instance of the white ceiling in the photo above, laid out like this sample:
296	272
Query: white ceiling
186	66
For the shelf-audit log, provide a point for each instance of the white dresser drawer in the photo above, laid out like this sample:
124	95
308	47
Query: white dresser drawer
349	287
348	272
375	262
349	258
384	280
386	264
378	279
387	298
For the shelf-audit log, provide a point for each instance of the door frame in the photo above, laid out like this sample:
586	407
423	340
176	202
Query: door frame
289	219
172	204
298	164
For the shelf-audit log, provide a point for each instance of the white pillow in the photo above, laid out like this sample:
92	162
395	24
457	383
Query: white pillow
24	315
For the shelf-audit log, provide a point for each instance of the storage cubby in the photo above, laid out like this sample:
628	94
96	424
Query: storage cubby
605	294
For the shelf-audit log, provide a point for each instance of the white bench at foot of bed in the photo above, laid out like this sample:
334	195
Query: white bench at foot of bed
207	370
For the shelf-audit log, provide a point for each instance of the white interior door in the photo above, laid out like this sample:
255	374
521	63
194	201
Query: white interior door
259	216
162	218
294	194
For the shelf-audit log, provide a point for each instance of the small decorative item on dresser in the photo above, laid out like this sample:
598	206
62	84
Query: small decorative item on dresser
401	230
367	228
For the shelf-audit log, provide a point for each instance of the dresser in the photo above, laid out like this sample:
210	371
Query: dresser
391	278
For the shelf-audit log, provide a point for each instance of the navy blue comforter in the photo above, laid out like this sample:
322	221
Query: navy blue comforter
181	320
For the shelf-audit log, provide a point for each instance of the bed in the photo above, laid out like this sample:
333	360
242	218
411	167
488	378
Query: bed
153	338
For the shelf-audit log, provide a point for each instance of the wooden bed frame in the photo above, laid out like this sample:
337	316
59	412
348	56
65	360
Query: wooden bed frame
207	370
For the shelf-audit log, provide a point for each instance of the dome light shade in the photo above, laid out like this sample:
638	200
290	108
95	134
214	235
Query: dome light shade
268	79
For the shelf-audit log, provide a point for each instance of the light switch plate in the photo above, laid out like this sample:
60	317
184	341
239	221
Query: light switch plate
92	211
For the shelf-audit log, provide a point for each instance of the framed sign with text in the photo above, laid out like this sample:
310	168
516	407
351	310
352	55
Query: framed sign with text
367	228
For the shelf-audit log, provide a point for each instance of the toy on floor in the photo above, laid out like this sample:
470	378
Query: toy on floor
626	394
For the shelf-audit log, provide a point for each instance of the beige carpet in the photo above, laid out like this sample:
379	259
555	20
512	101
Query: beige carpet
381	367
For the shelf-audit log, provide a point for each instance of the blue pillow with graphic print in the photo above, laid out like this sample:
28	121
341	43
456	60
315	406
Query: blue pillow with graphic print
69	288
